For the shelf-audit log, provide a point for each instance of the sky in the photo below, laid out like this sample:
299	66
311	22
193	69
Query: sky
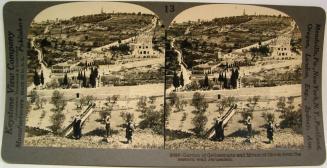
68	10
208	12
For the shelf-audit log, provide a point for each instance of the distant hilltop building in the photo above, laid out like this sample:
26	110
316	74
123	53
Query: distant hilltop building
142	46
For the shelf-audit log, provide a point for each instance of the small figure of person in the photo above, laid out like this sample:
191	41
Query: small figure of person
107	123
219	130
129	131
248	123
270	132
77	127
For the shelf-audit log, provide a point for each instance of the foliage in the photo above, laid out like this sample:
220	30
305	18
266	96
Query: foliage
40	102
269	117
173	98
109	104
206	82
199	120
152	99
251	104
181	79
34	96
180	104
127	116
36	78
53	84
121	49
291	118
151	118
42	78
58	117
199	103
141	104
225	102
176	81
89	99
65	82
58	100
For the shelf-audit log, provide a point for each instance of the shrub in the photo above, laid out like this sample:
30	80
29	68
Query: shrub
152	119
200	120
226	102
34	96
58	101
40	102
268	116
251	104
180	104
57	120
173	98
291	118
58	117
127	116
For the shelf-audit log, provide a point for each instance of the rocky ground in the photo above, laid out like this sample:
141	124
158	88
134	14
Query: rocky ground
142	139
282	140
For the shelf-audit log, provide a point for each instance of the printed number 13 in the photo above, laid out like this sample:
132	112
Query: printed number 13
169	8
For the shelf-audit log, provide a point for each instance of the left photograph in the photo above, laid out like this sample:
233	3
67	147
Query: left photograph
95	77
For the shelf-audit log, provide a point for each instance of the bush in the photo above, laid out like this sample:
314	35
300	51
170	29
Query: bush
173	98
251	104
58	100
58	117
199	102
54	84
200	120
180	104
40	102
152	119
291	118
34	96
57	120
127	116
268	116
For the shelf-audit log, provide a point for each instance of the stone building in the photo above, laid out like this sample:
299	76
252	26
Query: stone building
281	47
142	46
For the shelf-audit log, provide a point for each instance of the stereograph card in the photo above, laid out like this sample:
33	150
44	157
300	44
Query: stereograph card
163	84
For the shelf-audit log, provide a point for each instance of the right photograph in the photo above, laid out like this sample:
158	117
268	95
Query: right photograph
233	79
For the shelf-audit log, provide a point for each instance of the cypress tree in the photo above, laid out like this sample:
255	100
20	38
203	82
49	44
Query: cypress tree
36	78
181	79
96	72
42	78
92	78
225	82
206	81
84	80
232	79
65	80
175	81
79	75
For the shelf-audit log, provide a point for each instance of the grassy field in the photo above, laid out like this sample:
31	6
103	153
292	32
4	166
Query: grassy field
142	139
282	140
39	119
181	136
